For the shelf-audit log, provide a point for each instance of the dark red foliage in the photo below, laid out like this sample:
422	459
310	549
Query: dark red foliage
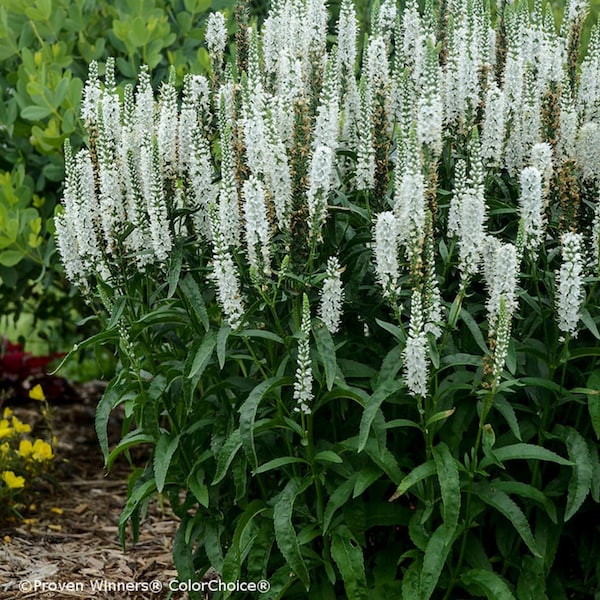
20	371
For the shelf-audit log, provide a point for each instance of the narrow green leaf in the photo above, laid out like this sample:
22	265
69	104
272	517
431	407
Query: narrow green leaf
198	487
593	399
419	473
410	581
391	365
174	270
348	556
182	553
194	299
393	329
588	321
337	499
436	554
133	438
285	534
595	487
36	113
113	395
226	455
248	413
326	351
165	448
528	491
447	473
583	468
117	311
203	355
365	477
440	416
381	394
239	545
260	334
504	504
526	451
505	408
488	582
222	336
278	462
469	321
328	456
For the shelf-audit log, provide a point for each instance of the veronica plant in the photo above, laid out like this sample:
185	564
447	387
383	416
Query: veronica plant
355	300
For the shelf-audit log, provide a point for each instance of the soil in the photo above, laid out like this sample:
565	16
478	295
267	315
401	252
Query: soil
68	546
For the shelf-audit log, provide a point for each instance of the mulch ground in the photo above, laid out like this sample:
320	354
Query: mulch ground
68	546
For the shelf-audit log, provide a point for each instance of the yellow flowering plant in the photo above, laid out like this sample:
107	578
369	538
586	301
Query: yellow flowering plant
23	458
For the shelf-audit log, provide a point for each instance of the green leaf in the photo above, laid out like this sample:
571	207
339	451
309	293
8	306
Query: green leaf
447	473
203	355
278	462
165	448
436	554
241	544
139	493
410	581
328	456
419	473
248	413
133	438
36	113
593	399
198	487
588	321
348	556
226	455
505	408
491	584
193	297
388	388
504	504
260	334
326	351
174	270
285	534
581	479
440	416
222	336
337	499
182	553
9	258
526	451
469	321
113	395
528	491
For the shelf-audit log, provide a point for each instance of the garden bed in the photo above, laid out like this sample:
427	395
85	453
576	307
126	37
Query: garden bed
71	535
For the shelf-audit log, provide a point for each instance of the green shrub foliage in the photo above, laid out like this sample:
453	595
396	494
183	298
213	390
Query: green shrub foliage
355	298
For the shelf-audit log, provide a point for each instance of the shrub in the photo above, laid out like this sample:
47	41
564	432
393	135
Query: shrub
355	300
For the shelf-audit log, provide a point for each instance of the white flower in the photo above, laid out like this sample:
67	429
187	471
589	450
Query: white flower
167	128
332	296
91	96
303	394
216	37
492	136
365	160
500	270
569	283
541	159
225	276
595	238
587	150
386	252
258	228
531	207
416	366
321	172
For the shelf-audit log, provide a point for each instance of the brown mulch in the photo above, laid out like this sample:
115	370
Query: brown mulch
70	536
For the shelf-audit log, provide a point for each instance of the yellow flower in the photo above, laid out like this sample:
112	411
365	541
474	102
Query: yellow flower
20	427
13	481
37	393
7	413
42	450
25	448
4	448
5	428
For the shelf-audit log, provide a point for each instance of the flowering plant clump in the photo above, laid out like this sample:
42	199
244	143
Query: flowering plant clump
22	460
336	278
